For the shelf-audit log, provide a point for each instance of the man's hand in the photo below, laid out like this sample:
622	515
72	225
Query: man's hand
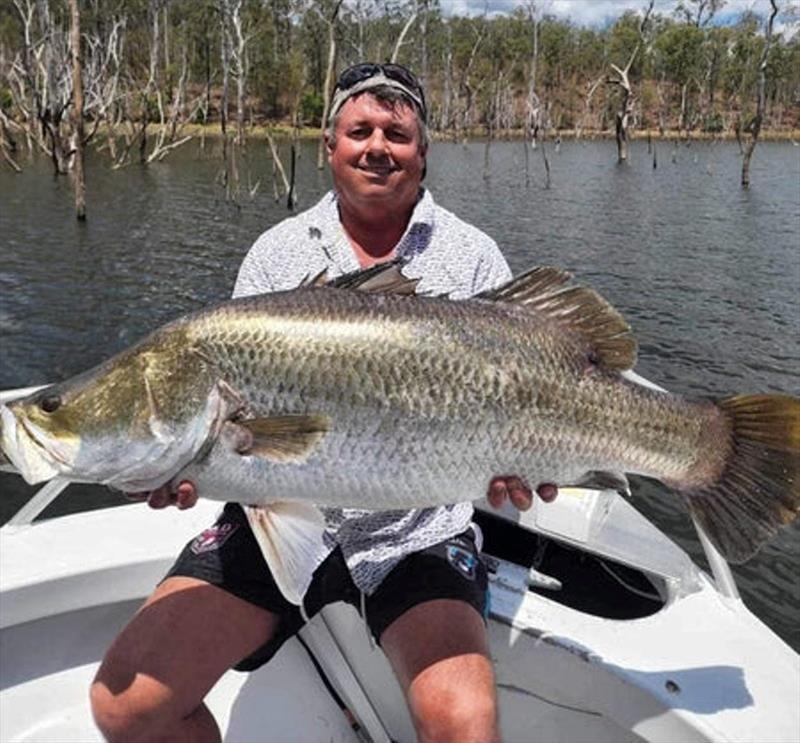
507	487
183	497
515	489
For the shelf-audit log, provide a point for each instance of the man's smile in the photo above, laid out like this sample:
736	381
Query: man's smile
379	170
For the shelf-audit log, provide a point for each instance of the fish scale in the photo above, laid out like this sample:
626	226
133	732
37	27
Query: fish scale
472	421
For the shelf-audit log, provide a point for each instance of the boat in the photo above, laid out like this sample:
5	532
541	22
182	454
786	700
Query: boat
602	629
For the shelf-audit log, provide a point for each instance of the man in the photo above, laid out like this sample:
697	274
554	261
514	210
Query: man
153	680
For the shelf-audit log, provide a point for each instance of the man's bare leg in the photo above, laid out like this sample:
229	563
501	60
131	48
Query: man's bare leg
439	651
151	684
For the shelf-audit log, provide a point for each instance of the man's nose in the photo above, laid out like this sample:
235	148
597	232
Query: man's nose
377	144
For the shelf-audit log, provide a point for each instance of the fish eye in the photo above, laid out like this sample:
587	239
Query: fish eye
50	404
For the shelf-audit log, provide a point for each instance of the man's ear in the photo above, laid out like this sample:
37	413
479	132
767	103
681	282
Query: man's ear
330	143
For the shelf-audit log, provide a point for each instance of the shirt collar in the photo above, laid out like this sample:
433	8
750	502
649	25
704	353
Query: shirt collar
414	240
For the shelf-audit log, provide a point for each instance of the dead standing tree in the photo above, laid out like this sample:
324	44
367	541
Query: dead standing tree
21	75
61	78
167	118
78	178
447	92
463	119
228	172
101	73
237	43
534	118
755	125
587	105
8	145
41	81
330	22
153	78
627	97
47	85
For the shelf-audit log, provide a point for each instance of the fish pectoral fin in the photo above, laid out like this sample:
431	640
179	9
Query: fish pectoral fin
290	535
286	439
605	480
545	290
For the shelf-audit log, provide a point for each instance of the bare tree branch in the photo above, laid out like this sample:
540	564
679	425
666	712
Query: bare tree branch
401	38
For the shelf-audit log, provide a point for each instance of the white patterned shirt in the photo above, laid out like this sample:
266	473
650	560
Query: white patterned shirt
449	257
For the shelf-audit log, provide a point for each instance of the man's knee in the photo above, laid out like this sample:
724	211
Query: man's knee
135	712
455	715
154	677
455	700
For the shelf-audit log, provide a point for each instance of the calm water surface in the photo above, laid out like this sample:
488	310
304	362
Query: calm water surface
706	273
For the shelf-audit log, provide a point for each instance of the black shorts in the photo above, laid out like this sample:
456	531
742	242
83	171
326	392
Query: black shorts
227	555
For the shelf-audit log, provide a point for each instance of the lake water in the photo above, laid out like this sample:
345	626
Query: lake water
707	274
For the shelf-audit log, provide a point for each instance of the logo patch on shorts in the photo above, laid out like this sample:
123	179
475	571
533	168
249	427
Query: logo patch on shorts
462	560
214	537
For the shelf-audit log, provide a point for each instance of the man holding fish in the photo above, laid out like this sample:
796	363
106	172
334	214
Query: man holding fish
336	397
221	605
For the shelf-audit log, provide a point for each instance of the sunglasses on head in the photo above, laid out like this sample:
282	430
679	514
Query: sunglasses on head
355	74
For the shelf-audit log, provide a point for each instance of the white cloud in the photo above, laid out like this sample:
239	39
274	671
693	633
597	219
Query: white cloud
602	12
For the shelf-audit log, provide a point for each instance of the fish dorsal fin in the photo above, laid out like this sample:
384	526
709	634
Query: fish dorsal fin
317	279
285	439
544	290
536	282
385	278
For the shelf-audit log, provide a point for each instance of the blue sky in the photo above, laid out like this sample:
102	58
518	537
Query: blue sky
600	12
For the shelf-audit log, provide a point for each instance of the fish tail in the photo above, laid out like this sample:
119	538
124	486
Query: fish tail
758	489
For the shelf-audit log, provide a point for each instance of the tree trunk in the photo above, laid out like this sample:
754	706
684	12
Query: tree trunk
684	112
78	181
755	127
622	133
627	99
326	92
223	105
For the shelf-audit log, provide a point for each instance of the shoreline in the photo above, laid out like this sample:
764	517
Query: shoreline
284	131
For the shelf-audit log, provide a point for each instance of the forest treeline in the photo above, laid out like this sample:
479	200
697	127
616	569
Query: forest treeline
241	63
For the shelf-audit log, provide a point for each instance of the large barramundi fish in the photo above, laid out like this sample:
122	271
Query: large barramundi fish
354	394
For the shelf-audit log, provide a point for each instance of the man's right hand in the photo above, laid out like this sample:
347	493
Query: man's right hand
183	497
516	490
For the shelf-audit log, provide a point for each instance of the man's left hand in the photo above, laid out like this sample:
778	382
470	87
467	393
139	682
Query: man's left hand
515	489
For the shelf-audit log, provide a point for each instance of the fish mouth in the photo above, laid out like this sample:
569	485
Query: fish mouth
6	465
34	434
23	451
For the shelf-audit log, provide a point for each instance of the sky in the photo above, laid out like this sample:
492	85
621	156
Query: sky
599	13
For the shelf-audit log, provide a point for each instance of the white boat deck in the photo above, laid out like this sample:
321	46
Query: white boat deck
703	668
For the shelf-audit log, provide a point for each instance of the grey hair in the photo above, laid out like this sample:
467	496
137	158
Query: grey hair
392	96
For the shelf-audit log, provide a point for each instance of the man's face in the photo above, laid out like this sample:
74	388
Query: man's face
377	157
